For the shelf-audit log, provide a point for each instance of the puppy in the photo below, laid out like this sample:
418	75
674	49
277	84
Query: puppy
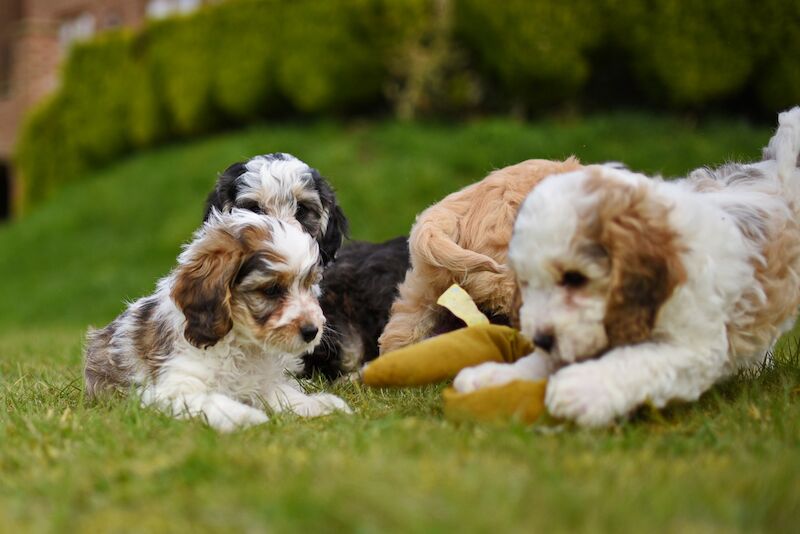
464	239
223	333
357	292
282	186
358	288
637	290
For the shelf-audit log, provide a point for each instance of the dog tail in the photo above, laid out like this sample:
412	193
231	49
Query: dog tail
437	248
784	148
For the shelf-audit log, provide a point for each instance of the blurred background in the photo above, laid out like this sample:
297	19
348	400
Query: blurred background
117	115
84	82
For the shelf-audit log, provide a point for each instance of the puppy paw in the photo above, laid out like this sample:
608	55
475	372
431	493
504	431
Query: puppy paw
482	376
579	393
319	404
227	415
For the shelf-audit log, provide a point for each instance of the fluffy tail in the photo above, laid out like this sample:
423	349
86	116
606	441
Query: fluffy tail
784	148
437	248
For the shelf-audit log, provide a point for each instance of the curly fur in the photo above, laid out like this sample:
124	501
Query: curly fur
652	291
281	185
464	239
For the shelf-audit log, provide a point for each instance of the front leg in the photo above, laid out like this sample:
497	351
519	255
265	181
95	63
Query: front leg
535	366
222	413
289	396
594	393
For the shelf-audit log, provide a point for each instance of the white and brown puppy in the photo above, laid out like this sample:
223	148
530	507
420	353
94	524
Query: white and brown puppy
638	290
224	333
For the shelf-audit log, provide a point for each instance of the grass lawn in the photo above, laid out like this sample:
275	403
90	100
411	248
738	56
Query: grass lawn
728	463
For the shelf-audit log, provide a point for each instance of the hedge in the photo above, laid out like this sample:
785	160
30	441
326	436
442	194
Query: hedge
534	49
242	61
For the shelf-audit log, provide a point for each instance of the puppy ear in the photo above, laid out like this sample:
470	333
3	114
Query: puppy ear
223	197
334	235
202	287
337	228
645	262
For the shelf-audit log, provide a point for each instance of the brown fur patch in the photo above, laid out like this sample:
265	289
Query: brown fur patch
202	288
152	339
777	277
645	256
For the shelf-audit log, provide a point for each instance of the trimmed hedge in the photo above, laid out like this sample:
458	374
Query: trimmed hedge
535	49
246	60
690	52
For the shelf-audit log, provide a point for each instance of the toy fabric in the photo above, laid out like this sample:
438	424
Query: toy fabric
440	358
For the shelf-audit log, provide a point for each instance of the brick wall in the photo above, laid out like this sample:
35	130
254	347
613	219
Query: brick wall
30	32
37	49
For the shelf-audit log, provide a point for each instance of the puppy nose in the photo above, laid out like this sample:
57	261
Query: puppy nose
308	332
544	340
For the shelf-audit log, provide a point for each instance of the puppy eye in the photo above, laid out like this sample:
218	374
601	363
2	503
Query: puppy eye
272	291
251	206
573	279
302	212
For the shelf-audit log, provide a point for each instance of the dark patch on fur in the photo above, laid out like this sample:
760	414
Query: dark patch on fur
358	291
207	320
201	292
337	229
223	197
248	266
152	339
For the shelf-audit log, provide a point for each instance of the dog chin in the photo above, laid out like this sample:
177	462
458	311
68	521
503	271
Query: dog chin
302	347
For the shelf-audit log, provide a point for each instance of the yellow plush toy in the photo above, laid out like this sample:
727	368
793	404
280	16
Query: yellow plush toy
442	357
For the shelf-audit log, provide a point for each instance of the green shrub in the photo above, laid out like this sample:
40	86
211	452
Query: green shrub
149	121
337	52
180	52
689	53
84	125
95	95
428	74
244	60
46	154
535	49
246	50
326	64
777	81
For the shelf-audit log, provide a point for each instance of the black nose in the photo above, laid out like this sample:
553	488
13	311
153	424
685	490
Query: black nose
308	332
544	341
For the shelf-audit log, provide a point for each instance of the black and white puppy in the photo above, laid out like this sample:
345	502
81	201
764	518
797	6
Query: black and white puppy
357	293
282	186
223	334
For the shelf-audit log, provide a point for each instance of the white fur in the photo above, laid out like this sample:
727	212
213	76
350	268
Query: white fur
690	348
281	182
